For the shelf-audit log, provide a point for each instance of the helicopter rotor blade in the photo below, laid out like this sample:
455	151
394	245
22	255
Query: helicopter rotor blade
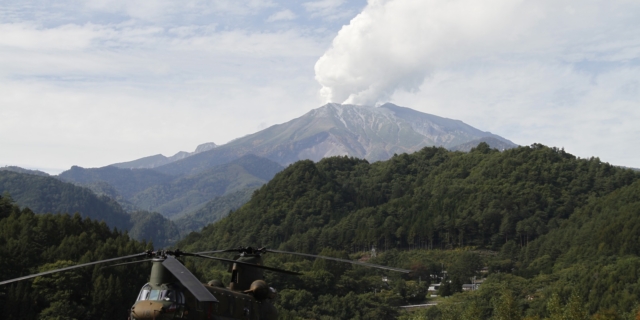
243	263
188	280
217	251
73	267
371	265
124	263
246	250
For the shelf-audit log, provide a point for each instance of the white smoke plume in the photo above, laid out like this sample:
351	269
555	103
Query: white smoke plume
395	44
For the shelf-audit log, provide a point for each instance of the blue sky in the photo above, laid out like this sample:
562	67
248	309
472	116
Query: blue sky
92	83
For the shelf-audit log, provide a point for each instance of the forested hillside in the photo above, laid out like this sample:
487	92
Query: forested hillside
430	199
562	231
152	226
31	243
43	194
587	267
214	210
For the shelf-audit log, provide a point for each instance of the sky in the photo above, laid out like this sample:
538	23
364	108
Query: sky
91	83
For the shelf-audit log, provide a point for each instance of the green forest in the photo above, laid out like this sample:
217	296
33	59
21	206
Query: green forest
213	210
31	243
551	235
554	226
46	194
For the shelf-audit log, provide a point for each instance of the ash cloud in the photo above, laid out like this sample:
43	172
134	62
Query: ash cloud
395	44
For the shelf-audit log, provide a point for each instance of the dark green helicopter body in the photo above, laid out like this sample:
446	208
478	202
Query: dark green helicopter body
166	296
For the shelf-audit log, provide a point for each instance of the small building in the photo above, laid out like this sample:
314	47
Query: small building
470	286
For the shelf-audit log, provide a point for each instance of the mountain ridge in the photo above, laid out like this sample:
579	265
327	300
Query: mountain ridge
336	130
157	160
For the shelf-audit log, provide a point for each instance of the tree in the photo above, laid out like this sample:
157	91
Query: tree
554	307
472	311
575	310
505	307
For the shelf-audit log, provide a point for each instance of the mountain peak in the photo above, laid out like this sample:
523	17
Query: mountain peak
372	133
205	147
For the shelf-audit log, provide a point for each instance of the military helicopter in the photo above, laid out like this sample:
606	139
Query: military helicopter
173	292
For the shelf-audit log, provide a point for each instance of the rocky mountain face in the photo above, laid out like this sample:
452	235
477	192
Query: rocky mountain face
344	130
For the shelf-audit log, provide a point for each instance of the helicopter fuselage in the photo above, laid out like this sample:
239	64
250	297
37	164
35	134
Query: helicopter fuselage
165	298
159	303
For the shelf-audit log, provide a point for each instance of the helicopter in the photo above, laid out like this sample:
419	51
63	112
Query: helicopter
173	292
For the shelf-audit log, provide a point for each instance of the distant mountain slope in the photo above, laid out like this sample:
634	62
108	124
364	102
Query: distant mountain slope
202	161
22	170
159	160
49	195
127	182
102	188
214	210
190	193
358	131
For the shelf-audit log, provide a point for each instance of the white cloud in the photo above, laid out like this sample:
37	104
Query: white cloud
282	15
395	44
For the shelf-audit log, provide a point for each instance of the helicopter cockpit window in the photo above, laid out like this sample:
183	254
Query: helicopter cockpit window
167	295
148	293
154	295
144	293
